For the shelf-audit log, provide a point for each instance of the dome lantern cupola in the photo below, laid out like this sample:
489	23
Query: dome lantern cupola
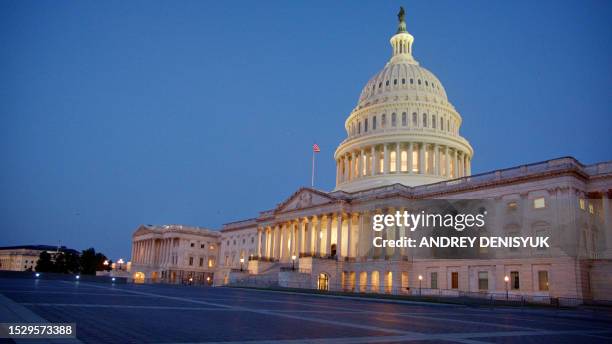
402	40
403	129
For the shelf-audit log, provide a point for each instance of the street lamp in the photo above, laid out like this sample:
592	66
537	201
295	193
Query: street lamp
420	280
293	262
120	261
241	263
506	279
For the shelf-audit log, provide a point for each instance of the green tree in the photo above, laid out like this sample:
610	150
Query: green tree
44	263
92	261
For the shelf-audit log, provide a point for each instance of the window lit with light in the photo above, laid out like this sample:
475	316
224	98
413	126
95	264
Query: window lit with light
582	203
539	203
415	161
381	163
512	205
392	161
591	208
404	161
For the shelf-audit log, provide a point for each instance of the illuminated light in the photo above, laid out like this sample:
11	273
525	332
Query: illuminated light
113	279
506	279
420	277
37	275
77	277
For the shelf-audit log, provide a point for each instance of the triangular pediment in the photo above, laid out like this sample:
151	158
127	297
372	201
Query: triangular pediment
305	198
142	230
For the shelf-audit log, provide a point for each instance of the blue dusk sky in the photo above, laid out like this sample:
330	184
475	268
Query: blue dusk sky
120	113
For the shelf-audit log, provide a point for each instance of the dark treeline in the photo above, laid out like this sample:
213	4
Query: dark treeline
71	262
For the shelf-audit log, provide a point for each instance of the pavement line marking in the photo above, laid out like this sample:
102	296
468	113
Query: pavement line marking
85	305
355	298
246	309
454	337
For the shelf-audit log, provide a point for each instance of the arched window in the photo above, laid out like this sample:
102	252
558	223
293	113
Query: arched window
447	125
424	120
419	81
393	119
383	120
442	124
433	121
374	123
404	119
414	119
411	81
395	82
392	161
403	81
365	126
359	128
387	83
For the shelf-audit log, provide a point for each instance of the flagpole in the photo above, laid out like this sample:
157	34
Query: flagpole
313	167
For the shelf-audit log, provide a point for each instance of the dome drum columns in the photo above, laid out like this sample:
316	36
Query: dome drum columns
402	158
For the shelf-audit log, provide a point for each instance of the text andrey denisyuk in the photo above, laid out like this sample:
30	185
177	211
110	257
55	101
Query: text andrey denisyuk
459	222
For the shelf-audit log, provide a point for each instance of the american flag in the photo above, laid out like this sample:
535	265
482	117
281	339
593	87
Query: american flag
315	148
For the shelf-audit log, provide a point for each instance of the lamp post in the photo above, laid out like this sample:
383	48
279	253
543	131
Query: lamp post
420	280
506	279
120	262
241	263
293	262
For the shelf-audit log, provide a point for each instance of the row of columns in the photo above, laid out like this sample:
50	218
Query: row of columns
350	234
152	251
400	157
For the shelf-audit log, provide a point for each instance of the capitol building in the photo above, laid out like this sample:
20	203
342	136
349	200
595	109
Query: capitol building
404	151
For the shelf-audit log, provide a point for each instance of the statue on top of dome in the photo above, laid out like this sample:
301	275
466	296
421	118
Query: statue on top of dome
401	16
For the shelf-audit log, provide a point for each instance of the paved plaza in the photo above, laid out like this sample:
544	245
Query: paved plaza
164	313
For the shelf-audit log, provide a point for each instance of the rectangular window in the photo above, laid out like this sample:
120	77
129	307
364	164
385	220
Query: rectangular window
483	280
393	119
454	280
211	262
591	208
365	126
434	280
425	120
404	119
374	123
543	280
190	260
514	280
582	203
201	261
359	128
392	161
404	161
414	119
383	121
433	121
539	203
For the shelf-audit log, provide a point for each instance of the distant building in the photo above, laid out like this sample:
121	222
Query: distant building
174	254
25	257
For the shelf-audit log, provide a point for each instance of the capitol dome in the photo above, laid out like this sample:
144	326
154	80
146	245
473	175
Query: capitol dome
403	129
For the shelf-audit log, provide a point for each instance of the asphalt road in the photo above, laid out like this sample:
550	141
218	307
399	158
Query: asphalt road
164	313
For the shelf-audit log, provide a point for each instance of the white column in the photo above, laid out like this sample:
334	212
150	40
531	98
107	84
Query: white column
300	233
468	168
346	168
339	235
353	165
349	235
410	151
398	157
447	160
456	159
385	159
463	164
362	162
259	242
373	164
329	219
436	159
318	235
422	158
